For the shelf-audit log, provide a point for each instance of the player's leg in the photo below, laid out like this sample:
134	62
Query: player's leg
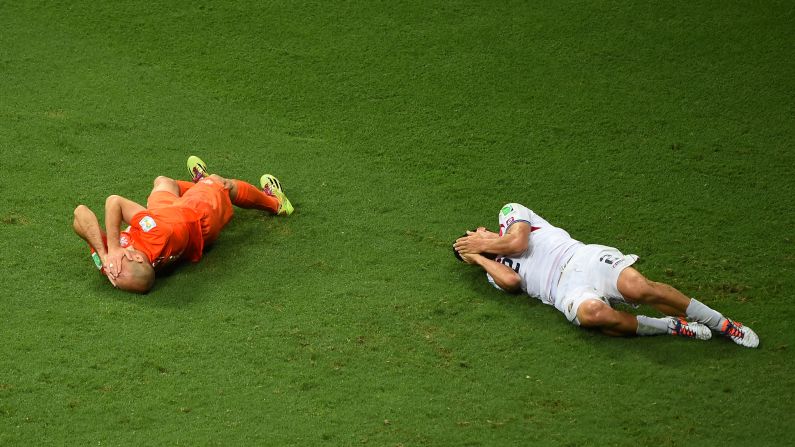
246	195
163	183
197	168
273	187
598	314
243	194
636	288
164	192
183	186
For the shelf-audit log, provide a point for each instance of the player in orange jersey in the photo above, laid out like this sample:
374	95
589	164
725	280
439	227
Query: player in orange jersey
179	220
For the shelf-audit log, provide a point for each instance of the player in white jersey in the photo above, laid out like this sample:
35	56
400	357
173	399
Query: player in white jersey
583	281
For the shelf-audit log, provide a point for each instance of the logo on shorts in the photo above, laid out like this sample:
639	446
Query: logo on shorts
506	210
611	260
147	223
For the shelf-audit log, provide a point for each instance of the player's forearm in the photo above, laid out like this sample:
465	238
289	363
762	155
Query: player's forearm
87	227
502	275
113	220
510	244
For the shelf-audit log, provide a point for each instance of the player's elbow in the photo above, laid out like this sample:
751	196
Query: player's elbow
511	283
517	246
112	200
80	210
80	214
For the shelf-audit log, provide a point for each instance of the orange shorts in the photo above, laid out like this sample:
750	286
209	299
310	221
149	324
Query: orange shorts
208	199
160	199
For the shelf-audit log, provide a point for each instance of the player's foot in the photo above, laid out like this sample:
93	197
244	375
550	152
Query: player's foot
197	168
742	335
271	186
689	329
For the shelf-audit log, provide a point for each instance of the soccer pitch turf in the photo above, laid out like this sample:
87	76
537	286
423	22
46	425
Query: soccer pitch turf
664	130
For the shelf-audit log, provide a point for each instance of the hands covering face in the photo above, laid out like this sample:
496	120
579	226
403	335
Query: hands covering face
474	242
115	259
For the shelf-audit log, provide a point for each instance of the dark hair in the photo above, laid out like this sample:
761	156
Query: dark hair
458	255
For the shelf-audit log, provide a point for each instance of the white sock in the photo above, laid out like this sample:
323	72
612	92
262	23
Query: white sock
652	326
702	313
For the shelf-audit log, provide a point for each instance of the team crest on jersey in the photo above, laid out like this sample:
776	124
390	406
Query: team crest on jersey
506	210
147	223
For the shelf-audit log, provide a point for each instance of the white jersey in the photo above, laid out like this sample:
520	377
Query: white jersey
549	248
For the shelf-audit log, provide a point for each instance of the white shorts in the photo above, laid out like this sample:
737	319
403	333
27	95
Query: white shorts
592	273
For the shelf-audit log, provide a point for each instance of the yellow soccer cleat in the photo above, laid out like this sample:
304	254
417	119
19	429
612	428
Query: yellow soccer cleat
197	168
271	186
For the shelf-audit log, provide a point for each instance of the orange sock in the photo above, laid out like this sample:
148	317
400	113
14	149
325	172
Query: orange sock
184	186
249	196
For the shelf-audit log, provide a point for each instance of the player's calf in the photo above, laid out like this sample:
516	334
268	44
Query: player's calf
599	315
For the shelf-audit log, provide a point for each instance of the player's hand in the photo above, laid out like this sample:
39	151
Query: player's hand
470	258
227	183
112	281
472	243
486	234
113	262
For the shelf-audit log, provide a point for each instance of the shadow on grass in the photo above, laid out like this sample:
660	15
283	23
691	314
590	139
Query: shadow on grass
186	283
667	351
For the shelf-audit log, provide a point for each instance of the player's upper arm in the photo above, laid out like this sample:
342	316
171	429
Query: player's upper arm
518	238
126	207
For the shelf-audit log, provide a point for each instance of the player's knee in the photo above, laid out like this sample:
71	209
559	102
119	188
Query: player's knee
162	179
633	286
593	313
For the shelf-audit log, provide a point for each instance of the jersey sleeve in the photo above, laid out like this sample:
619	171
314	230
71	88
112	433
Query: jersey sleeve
147	236
512	213
492	282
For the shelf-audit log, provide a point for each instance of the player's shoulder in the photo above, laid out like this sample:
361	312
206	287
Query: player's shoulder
514	208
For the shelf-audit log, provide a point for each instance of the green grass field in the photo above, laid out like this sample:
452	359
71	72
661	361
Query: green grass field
664	130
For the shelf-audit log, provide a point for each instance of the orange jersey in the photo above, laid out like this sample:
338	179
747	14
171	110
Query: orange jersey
174	227
167	234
